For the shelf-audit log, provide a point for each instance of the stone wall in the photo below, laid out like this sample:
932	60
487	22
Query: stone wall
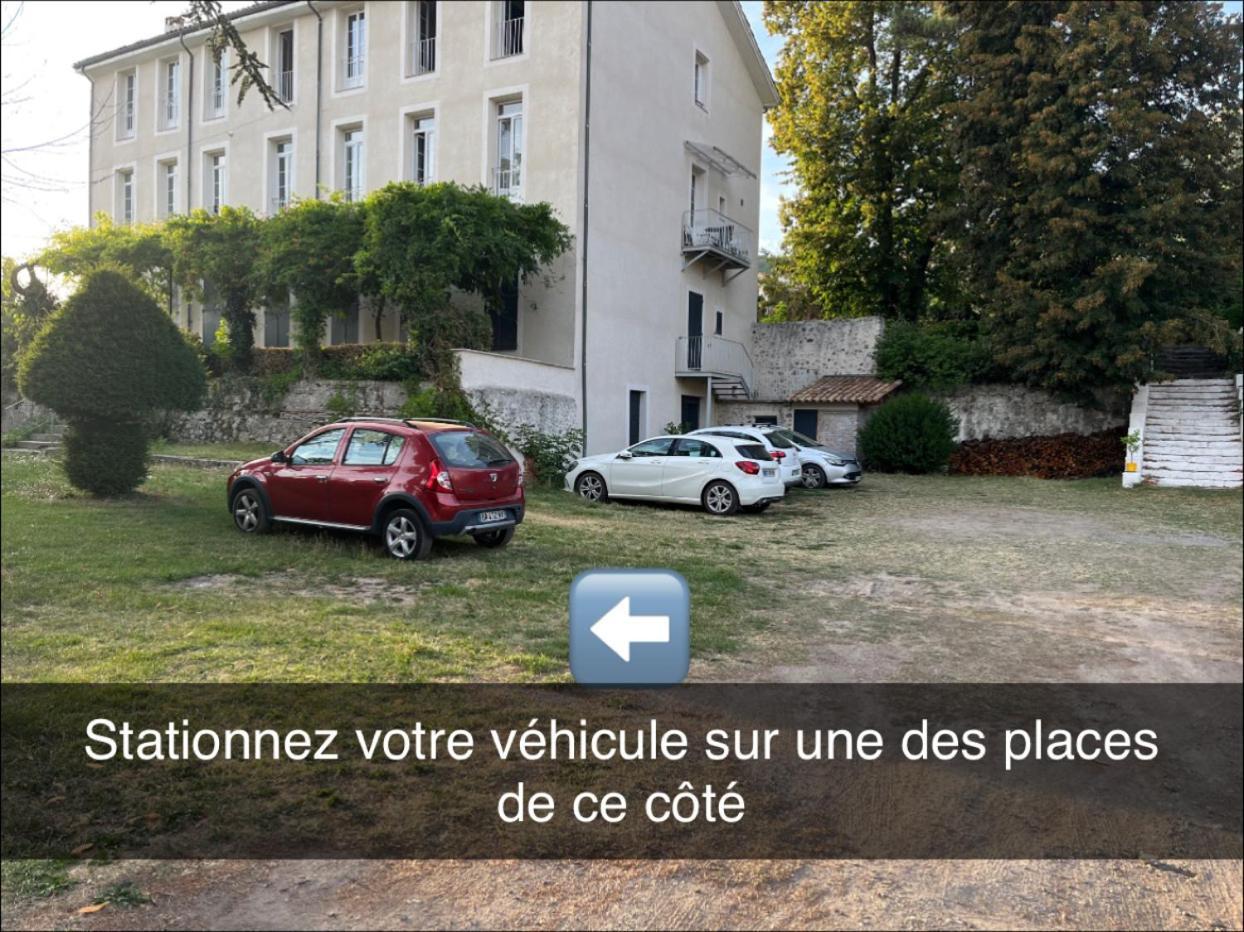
237	409
788	357
1001	411
837	426
521	391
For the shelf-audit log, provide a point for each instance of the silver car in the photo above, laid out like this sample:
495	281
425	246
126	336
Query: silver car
819	465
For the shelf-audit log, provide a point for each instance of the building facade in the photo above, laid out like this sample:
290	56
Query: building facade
640	123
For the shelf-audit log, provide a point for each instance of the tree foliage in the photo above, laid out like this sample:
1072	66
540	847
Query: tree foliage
862	86
782	296
909	433
934	355
1101	205
308	250
27	305
215	257
139	250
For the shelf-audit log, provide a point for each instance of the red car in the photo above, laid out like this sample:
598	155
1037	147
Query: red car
408	481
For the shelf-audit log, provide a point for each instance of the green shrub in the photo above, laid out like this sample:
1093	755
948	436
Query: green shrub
105	457
105	362
382	362
909	433
549	455
935	356
441	402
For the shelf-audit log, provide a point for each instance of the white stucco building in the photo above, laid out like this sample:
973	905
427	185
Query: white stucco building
639	122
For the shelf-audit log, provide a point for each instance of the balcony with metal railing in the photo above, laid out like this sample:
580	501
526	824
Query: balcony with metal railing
508	182
423	56
507	37
717	358
285	86
352	71
712	237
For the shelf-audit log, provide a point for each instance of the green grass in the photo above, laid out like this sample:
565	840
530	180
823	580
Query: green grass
29	879
158	586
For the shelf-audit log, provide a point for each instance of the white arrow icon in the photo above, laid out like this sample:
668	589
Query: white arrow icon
619	629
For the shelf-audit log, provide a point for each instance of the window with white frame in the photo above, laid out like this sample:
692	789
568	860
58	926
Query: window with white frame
352	160
127	104
422	148
284	56
281	183
125	195
170	93
217	85
215	180
354	49
421	29
508	173
166	176
508	21
700	85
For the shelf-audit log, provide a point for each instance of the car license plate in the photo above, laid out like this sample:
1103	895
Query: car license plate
489	516
769	473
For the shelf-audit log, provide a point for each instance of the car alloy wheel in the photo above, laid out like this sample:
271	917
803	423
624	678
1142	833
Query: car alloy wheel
813	477
591	487
247	512
719	499
403	536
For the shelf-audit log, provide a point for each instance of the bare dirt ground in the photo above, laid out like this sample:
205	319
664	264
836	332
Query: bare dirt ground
971	591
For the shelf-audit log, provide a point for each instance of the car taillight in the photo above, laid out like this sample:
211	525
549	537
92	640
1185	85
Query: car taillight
439	478
752	469
777	455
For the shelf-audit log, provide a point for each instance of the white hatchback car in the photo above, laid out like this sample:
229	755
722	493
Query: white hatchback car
783	452
820	465
720	474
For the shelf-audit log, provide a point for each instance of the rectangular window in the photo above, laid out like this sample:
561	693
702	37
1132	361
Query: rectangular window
282	180
508	174
344	328
352	155
216	186
701	80
218	71
421	30
170	92
125	196
285	65
127	101
720	323
505	321
423	149
354	62
507	38
168	189
637	416
276	326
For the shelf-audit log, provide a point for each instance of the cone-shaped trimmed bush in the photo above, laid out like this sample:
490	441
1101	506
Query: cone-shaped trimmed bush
104	362
909	433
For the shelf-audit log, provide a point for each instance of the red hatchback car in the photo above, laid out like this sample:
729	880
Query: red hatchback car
408	481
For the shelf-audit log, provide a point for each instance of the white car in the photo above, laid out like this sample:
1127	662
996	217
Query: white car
720	474
780	450
819	465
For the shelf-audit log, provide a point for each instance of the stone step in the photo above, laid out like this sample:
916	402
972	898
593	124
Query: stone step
1209	431
1193	446
1200	381
49	437
1157	467
1183	388
41	446
1193	482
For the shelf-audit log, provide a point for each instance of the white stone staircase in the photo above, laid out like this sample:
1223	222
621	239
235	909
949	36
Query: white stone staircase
1190	433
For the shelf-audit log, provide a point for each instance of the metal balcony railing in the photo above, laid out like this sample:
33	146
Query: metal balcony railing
508	182
277	203
352	70
285	86
712	355
423	56
710	233
508	38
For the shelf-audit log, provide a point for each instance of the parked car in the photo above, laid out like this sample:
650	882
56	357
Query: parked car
819	465
407	481
721	474
781	451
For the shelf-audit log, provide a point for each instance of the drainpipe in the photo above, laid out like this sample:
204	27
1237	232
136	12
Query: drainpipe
188	174
587	150
319	85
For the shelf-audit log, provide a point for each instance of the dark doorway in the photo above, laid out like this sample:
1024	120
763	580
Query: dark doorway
505	321
695	329
805	422
690	418
636	416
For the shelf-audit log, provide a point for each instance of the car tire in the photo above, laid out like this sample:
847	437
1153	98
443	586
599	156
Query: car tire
591	487
404	536
250	514
494	539
813	476
719	499
757	508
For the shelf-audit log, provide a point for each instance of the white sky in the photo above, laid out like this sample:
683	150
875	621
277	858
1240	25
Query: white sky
45	99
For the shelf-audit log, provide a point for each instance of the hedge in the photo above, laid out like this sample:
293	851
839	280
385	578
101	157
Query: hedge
386	362
909	433
1062	456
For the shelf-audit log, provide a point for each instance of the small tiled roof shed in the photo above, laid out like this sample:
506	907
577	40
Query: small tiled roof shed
846	389
835	407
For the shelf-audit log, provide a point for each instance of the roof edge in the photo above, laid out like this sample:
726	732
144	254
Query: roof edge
757	67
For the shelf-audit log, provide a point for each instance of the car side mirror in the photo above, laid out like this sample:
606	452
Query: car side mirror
625	455
280	457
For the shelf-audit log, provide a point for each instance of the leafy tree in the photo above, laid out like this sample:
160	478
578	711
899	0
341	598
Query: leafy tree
139	251
422	243
27	304
216	255
934	355
781	297
105	362
308	251
1101	207
862	86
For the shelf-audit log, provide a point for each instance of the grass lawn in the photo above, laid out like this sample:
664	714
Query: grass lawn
902	578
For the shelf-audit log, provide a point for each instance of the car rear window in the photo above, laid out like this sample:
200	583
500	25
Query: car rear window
753	451
469	449
776	438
